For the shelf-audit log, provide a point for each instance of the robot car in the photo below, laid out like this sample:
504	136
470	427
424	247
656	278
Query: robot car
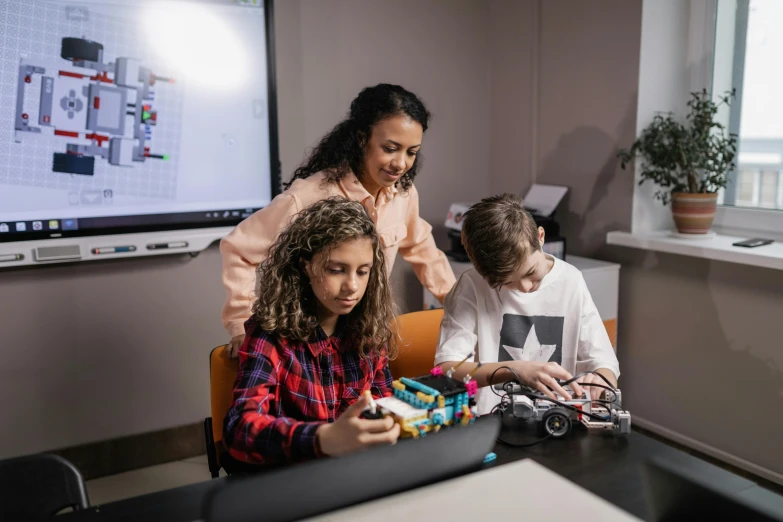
557	417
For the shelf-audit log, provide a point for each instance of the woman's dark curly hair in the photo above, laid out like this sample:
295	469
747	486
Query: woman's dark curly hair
286	303
343	149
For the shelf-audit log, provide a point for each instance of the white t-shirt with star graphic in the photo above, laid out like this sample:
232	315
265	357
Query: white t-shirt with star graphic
558	322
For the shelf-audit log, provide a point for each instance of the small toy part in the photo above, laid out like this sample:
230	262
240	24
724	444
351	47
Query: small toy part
490	457
469	375
371	412
451	370
556	422
472	387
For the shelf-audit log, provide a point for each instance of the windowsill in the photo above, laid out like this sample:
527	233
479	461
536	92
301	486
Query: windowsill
718	248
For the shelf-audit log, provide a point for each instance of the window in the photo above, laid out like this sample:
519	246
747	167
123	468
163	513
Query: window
688	46
757	111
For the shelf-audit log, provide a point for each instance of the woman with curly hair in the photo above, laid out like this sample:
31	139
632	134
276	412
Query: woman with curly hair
371	157
318	339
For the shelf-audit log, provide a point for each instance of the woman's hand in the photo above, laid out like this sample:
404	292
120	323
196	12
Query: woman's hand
235	345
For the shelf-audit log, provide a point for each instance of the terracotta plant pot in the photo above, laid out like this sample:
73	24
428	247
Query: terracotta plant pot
693	213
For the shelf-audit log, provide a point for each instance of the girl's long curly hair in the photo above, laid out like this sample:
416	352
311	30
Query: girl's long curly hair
286	303
343	149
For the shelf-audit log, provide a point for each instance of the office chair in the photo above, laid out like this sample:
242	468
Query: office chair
37	487
418	333
222	374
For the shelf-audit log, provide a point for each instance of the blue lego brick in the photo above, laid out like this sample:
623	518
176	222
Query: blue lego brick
410	383
411	399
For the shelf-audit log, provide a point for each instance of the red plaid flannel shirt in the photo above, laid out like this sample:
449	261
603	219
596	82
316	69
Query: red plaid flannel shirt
286	389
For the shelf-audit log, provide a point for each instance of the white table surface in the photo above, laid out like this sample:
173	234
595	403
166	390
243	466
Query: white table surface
523	490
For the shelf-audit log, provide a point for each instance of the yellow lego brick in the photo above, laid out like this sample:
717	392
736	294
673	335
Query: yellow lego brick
465	415
424	397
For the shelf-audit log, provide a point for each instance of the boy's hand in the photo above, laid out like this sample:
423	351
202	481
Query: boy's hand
350	433
595	391
543	375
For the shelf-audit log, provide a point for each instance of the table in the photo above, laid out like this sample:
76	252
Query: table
609	465
520	490
604	463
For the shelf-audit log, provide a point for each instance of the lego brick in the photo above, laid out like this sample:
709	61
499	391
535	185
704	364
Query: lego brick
126	72
121	152
47	93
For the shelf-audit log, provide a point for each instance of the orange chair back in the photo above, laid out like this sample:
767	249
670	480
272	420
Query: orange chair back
418	333
611	330
222	374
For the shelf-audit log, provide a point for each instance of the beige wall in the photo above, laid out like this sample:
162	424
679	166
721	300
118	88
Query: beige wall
588	73
514	51
106	349
565	95
699	345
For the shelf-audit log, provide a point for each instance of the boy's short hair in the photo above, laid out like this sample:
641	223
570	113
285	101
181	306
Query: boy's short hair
498	234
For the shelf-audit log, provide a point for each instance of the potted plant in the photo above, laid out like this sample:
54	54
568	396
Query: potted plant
689	161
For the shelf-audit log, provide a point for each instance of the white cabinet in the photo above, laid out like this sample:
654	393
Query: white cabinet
603	282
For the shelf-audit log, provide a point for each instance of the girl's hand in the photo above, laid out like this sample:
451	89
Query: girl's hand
350	433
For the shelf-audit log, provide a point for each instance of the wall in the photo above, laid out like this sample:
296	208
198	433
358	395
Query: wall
561	104
108	349
100	350
587	84
700	353
513	60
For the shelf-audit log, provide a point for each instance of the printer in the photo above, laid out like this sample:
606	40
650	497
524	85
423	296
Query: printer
541	201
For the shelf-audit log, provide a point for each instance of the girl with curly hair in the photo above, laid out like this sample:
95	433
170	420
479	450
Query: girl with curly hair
318	339
371	157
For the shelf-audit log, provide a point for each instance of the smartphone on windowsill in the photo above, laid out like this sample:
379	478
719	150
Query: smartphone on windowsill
753	242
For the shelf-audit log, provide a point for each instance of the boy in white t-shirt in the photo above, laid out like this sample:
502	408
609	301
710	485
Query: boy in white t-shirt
520	308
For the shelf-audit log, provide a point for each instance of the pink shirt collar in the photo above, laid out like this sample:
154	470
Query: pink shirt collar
354	189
